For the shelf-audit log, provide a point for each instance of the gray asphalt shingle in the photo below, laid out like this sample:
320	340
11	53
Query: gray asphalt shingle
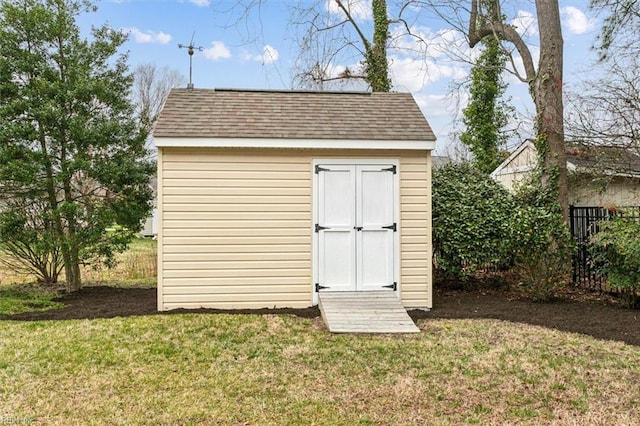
226	113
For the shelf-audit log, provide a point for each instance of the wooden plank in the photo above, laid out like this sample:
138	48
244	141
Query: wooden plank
364	312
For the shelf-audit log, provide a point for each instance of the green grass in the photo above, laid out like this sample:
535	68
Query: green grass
27	298
239	369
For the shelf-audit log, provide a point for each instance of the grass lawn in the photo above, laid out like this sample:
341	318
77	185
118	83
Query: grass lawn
280	369
26	298
271	369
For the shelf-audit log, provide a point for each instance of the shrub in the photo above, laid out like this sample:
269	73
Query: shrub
616	249
472	216
27	242
542	250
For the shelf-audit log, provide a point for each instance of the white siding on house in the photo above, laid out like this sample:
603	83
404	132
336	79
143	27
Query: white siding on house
236	227
605	191
517	167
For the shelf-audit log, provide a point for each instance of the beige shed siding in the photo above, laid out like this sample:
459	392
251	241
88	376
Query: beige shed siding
236	227
415	229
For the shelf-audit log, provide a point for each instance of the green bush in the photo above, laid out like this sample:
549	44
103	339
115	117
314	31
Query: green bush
472	217
616	248
542	250
477	223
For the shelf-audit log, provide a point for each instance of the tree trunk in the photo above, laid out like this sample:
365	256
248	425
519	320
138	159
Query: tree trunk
74	282
72	269
545	85
377	64
54	205
547	95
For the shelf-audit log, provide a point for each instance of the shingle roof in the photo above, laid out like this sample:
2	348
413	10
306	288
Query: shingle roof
209	113
610	159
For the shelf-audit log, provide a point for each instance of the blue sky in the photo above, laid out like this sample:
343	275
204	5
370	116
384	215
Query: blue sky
261	52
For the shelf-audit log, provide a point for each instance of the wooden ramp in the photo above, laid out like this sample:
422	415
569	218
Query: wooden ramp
364	312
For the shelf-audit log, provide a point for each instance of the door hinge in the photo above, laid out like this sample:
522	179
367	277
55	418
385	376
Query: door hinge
320	169
393	286
391	169
393	227
321	228
320	287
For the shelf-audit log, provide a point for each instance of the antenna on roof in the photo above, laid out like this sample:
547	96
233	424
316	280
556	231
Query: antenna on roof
190	48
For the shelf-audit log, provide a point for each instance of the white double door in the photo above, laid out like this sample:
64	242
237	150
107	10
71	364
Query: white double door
356	227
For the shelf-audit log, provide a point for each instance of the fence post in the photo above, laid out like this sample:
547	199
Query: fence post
572	226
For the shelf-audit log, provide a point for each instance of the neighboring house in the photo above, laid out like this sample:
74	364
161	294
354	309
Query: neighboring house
150	226
267	197
598	175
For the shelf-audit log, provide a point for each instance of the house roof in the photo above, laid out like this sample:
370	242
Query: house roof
228	113
605	159
582	158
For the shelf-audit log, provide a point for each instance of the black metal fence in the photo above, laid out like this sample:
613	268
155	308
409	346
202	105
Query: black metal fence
584	222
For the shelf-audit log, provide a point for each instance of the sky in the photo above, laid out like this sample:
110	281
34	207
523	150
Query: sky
261	50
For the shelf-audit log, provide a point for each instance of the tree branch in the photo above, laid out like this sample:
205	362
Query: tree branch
506	32
364	39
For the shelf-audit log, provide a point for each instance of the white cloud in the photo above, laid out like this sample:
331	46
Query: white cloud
269	55
576	21
413	75
148	37
217	51
423	42
525	23
201	3
416	62
359	10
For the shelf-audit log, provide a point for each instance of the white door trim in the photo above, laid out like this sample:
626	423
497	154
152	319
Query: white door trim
314	208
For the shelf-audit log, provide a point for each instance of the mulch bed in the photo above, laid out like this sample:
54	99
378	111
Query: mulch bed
576	311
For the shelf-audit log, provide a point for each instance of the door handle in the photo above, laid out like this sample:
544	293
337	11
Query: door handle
358	228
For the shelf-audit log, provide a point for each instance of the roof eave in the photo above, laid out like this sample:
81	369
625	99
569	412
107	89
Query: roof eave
190	142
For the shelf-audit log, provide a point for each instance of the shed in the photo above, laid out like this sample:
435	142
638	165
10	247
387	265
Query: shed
266	198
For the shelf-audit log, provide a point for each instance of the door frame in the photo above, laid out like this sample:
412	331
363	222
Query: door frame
314	211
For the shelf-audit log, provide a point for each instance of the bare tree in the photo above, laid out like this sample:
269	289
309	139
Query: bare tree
619	33
341	42
606	110
337	28
150	90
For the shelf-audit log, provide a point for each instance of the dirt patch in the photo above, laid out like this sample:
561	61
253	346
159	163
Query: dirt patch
110	302
574	311
599	316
